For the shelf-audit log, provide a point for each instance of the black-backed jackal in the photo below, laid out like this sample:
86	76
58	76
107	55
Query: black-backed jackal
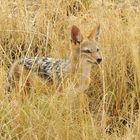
84	53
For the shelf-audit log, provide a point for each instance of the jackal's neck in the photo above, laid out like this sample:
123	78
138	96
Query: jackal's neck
85	68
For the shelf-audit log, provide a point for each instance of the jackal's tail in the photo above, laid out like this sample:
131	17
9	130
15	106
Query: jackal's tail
13	76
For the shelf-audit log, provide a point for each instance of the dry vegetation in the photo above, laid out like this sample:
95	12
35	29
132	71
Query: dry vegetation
110	108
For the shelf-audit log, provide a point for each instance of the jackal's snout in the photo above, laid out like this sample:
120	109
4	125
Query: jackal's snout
99	60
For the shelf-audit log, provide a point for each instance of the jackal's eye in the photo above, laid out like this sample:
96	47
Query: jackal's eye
78	42
86	51
97	49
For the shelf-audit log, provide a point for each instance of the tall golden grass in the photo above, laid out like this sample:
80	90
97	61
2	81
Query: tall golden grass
42	28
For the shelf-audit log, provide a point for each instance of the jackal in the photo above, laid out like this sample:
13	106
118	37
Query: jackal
84	53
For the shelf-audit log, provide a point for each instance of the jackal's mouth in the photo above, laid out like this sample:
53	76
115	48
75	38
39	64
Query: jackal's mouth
91	62
94	62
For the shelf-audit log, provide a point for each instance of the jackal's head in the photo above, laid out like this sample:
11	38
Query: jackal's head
87	47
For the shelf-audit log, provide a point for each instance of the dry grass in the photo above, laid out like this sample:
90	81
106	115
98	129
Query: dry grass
111	108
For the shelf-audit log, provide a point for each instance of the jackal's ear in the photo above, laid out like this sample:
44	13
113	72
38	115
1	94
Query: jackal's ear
94	34
76	35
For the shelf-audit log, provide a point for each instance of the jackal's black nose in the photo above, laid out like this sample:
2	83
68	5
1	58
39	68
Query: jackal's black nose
99	60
